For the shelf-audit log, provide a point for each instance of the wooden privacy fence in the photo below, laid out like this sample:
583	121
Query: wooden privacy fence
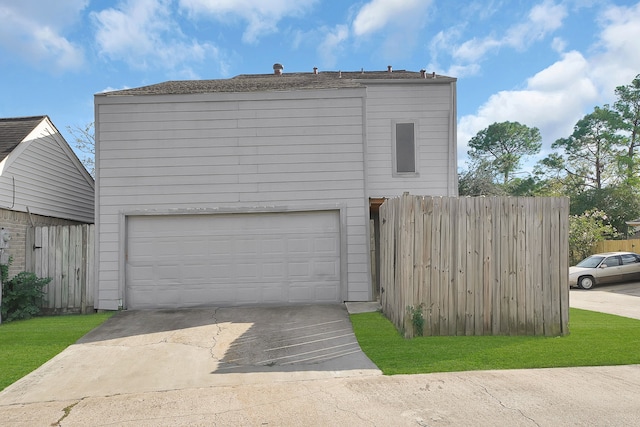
631	245
66	254
475	266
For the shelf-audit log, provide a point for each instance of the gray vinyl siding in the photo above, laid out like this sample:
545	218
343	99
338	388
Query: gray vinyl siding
431	108
49	180
245	152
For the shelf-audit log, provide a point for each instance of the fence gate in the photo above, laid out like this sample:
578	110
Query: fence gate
66	255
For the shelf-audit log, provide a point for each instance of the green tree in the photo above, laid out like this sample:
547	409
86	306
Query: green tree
479	180
589	155
528	186
628	106
585	230
503	145
85	142
620	202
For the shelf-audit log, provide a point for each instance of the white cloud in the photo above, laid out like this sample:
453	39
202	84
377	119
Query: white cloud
474	49
262	17
560	75
442	42
378	14
541	20
480	10
556	97
558	44
111	89
330	47
397	22
553	100
617	60
34	30
143	33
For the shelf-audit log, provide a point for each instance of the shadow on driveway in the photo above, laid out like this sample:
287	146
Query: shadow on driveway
248	339
318	337
150	351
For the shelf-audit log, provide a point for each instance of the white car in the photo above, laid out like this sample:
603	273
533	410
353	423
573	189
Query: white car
607	267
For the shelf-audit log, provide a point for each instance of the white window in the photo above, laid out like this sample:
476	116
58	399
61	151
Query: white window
404	145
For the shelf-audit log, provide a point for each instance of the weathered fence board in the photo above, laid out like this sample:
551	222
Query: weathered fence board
66	255
475	266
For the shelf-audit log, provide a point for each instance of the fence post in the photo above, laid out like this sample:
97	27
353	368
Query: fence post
406	244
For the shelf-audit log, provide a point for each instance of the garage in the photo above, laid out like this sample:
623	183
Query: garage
179	261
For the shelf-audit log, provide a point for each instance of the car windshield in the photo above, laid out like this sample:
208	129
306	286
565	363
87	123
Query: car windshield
591	262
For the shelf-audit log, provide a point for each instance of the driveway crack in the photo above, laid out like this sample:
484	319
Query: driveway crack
67	412
488	393
214	337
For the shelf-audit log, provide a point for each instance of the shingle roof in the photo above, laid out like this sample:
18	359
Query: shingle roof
285	81
14	130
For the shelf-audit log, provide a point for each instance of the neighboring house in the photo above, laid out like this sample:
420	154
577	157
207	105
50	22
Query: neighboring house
632	228
42	182
259	189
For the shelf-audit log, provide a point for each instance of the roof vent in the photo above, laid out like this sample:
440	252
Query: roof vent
277	69
433	76
423	74
389	69
315	70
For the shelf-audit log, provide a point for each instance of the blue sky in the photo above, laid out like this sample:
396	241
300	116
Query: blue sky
542	63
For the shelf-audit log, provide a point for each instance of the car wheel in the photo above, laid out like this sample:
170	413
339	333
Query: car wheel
586	282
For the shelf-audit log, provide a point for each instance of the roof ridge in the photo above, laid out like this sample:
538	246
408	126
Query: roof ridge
23	118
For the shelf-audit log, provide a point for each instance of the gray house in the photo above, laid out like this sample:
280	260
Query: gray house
42	182
260	189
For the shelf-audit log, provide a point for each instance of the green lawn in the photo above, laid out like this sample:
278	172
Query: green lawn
27	344
595	339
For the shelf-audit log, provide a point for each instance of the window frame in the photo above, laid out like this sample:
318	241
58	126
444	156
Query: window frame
394	127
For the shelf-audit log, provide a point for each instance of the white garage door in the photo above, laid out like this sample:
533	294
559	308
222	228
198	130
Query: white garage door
178	261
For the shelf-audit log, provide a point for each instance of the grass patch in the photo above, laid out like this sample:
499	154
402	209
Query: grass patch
595	339
27	344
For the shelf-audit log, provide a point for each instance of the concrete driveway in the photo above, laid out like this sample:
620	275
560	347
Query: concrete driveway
151	351
203	368
622	299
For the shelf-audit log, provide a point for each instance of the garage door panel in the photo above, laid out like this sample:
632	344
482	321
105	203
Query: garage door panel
326	293
193	260
300	294
325	245
272	270
298	269
195	272
326	269
248	271
299	246
272	246
245	245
